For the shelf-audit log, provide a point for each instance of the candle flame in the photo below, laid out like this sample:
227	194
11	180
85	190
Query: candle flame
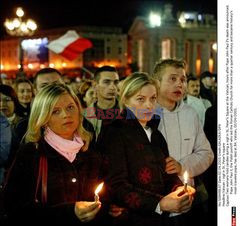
185	176
99	188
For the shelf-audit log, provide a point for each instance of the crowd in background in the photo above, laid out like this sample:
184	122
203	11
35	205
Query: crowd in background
137	133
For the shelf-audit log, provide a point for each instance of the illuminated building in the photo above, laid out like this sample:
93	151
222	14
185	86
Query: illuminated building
192	37
109	48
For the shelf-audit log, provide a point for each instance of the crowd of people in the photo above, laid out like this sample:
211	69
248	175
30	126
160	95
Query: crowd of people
137	134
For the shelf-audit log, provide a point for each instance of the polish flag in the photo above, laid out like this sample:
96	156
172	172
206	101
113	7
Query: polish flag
70	45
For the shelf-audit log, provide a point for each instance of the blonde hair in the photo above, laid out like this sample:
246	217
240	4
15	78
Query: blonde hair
133	84
42	108
162	64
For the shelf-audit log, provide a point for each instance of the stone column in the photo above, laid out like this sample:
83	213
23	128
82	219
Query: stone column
193	57
153	49
205	55
180	48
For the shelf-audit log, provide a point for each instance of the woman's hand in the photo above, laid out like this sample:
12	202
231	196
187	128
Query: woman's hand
86	211
178	201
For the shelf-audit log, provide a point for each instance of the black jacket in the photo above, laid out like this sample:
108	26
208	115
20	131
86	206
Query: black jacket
136	176
67	183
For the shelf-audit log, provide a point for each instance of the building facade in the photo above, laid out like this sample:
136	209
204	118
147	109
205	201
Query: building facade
109	47
190	36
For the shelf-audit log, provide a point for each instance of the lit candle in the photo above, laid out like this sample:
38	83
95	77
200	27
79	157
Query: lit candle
97	190
185	176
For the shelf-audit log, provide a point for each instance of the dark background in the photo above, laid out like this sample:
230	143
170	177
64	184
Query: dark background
121	13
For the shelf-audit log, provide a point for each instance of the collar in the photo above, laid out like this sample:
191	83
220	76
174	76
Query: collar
116	106
131	119
178	107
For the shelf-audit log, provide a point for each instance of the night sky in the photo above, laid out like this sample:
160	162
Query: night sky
55	13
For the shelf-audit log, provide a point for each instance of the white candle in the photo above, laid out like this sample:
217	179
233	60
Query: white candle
185	176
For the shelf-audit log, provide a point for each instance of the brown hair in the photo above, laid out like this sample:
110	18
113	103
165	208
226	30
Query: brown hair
98	72
162	64
23	80
83	90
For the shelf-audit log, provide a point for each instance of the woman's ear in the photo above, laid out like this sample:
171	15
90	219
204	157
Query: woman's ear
125	102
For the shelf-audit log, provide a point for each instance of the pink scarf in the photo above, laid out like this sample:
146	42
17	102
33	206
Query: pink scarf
67	148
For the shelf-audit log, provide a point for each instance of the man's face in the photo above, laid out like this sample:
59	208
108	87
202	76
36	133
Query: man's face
46	79
106	88
208	82
193	88
173	84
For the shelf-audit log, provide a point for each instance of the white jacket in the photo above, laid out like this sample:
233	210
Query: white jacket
198	106
187	142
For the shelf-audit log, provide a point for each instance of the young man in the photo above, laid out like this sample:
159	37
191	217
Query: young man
106	109
207	86
46	76
194	99
193	89
189	148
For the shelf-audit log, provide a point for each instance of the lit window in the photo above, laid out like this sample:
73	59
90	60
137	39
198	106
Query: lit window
166	49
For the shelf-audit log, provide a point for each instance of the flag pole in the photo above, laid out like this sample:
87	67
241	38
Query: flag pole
88	71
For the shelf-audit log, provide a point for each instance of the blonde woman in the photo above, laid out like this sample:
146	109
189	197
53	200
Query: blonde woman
136	152
56	151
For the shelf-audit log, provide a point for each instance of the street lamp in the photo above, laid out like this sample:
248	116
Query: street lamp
214	46
155	45
155	19
20	28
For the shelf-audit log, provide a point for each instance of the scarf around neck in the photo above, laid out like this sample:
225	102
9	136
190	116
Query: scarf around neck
67	148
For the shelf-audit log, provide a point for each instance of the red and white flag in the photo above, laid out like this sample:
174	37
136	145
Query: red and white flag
70	45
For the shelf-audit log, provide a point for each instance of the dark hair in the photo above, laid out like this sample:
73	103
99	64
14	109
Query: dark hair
10	92
46	71
102	69
192	78
206	74
122	78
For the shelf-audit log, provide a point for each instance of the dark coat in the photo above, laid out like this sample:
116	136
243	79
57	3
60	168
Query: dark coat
67	183
136	177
